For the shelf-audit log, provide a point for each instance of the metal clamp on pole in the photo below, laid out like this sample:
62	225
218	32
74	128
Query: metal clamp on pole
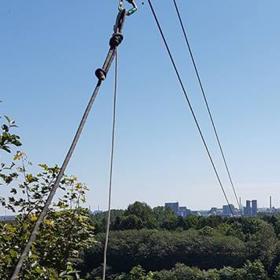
114	42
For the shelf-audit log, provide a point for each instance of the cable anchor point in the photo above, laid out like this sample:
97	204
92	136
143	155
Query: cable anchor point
114	42
130	11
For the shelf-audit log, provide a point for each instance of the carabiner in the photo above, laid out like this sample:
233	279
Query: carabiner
130	11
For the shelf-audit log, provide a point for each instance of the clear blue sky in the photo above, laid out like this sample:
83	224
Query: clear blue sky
49	51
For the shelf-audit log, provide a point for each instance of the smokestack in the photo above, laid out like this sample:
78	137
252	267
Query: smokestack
270	203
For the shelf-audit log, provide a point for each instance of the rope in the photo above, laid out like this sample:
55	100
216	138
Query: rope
189	104
206	101
111	168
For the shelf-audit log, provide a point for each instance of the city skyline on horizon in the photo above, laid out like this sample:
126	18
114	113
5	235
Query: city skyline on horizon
196	209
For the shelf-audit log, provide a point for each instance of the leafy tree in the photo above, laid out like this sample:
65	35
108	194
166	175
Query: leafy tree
66	231
276	275
165	216
155	250
171	223
131	222
8	140
250	271
255	271
143	212
99	220
229	229
229	273
261	243
138	273
181	271
192	222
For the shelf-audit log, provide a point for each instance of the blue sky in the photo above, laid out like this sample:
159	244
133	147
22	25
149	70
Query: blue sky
49	51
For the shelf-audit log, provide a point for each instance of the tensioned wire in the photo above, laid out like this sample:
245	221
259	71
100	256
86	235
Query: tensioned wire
189	104
206	101
111	167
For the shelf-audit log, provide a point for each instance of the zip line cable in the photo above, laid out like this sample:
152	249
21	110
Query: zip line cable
101	73
206	101
111	167
189	104
43	213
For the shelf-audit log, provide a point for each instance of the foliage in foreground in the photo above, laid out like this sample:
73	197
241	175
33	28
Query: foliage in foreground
66	231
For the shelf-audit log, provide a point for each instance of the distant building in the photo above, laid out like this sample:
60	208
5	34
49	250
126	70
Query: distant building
184	212
229	210
254	207
251	208
248	209
174	206
268	211
214	211
203	213
178	210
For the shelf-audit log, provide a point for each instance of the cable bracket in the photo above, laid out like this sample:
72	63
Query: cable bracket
130	11
114	42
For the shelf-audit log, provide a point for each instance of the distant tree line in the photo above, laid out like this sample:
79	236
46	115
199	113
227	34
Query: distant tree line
250	271
148	243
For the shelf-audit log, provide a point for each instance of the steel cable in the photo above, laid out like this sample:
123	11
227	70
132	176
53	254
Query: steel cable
111	167
189	104
206	101
43	213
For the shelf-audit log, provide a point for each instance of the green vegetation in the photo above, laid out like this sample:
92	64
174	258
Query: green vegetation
145	243
250	271
148	243
67	230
